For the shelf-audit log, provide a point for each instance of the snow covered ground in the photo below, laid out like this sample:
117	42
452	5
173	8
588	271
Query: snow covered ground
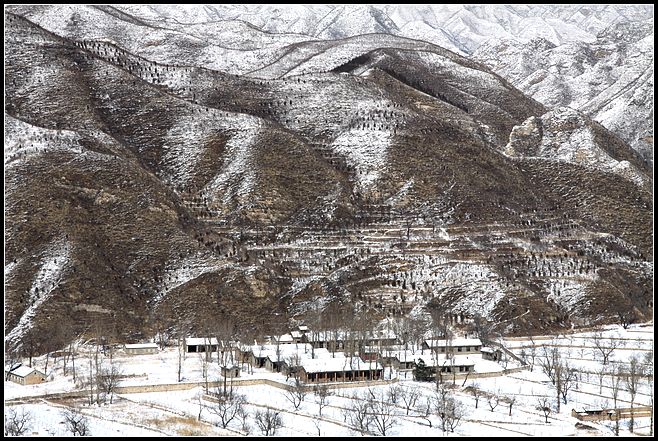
176	412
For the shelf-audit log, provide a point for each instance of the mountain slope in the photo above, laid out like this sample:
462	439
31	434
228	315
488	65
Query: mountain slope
610	79
168	196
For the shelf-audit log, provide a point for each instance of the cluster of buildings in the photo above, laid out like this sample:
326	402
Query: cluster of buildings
320	357
308	363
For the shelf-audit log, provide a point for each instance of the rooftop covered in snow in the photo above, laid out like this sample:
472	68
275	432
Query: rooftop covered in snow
338	365
141	346
453	343
24	371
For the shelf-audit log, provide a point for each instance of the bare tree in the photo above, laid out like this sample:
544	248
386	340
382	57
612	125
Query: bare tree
181	342
493	401
627	316
409	397
648	359
89	379
224	334
548	360
544	406
322	394
358	415
557	371
316	423
294	364
476	392
76	422
532	354
203	359
199	399
296	393
382	416
268	421
632	378
228	406
568	379
510	401
454	414
523	355
441	397
424	410
244	418
449	410
402	329
418	327
70	354
393	393
45	369
483	329
601	372
617	374
17	424
605	346
12	360
108	380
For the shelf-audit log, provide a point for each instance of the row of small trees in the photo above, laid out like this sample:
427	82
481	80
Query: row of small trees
18	423
374	412
230	406
564	377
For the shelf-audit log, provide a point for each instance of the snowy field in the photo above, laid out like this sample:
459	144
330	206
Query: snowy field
176	412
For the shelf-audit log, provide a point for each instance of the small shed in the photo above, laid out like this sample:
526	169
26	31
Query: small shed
592	414
490	353
230	371
296	336
274	363
140	348
26	375
402	360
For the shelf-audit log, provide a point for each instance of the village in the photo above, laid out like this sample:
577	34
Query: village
311	357
309	382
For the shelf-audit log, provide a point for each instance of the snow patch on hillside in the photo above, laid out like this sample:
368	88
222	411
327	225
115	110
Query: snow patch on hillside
568	293
237	177
366	150
9	268
45	282
478	283
184	271
465	75
23	139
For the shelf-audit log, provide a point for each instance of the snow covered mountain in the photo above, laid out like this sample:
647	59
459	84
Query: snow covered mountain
370	175
462	28
594	58
609	79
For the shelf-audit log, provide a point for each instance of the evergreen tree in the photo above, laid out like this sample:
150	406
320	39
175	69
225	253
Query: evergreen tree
421	371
